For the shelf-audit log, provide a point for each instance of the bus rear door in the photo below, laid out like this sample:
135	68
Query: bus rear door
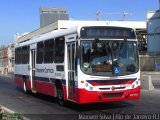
32	67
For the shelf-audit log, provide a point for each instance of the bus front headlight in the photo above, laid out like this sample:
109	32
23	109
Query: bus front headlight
90	88
86	84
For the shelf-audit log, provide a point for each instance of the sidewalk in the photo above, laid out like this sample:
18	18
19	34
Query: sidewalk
150	73
10	74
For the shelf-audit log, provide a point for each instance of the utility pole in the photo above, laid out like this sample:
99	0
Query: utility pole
124	14
97	15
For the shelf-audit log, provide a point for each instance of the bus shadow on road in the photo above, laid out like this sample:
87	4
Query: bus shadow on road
38	96
82	107
99	106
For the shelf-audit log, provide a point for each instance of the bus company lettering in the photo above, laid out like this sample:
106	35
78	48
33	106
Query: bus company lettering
44	70
57	74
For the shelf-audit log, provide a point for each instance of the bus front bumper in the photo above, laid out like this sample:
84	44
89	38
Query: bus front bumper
85	96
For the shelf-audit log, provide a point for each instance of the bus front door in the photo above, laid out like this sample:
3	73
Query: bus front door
71	70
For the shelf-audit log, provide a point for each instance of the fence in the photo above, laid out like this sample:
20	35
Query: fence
149	63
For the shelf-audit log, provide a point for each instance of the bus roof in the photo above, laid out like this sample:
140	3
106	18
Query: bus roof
49	35
58	33
64	24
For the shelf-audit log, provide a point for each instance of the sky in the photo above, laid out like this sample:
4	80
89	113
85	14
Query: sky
19	16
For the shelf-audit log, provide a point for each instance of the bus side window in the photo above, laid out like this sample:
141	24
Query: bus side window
18	55
25	54
40	53
59	50
49	51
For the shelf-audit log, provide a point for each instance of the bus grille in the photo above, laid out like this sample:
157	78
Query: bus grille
111	82
112	95
116	88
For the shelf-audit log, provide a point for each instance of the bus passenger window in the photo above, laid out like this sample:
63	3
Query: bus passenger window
40	49
59	50
25	55
18	55
49	49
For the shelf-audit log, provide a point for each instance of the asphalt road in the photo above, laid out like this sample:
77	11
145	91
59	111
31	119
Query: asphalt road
155	77
41	107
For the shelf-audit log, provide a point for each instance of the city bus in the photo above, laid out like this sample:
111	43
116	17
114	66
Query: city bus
81	64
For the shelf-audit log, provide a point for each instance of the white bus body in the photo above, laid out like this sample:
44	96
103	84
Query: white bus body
60	64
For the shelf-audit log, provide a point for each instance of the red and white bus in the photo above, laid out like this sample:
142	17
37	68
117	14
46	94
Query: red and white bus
83	64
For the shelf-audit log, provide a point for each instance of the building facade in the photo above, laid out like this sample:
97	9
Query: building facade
51	15
4	59
11	54
153	32
7	59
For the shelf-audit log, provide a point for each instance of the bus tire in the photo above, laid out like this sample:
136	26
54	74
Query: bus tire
60	96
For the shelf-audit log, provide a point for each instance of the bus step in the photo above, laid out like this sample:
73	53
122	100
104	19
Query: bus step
34	91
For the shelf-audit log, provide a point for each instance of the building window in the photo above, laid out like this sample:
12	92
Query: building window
45	11
59	50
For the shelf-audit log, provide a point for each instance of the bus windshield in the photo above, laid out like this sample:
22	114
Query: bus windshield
100	58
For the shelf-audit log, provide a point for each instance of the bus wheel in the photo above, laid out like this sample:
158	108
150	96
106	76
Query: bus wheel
60	97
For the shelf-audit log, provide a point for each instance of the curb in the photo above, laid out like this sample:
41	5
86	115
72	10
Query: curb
9	111
151	73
